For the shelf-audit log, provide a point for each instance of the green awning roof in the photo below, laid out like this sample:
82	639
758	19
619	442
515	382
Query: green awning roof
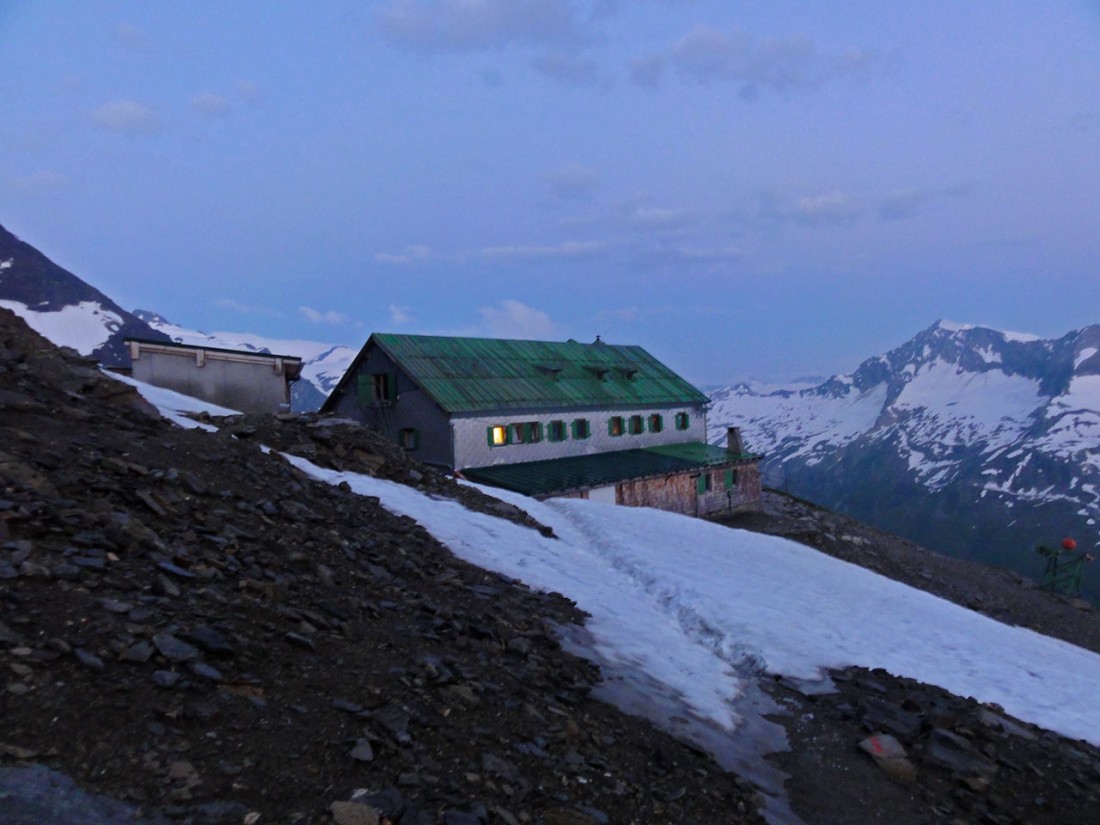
535	478
465	375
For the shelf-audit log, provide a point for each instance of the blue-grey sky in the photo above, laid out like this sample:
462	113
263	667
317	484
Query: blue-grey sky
765	189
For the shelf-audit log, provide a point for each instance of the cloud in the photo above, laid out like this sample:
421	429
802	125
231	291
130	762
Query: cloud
331	317
572	181
127	117
647	71
514	319
907	203
833	208
412	254
688	255
624	314
246	309
652	218
38	183
476	25
709	55
1087	121
399	314
131	37
249	92
209	104
566	69
568	249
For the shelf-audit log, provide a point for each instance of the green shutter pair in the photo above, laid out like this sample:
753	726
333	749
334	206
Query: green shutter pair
729	478
701	484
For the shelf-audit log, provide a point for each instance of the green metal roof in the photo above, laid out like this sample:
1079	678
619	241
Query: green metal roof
481	374
558	475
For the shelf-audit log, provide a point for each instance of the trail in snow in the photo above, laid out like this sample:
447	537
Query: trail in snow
699	606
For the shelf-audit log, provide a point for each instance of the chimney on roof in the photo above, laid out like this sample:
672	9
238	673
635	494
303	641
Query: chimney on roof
734	444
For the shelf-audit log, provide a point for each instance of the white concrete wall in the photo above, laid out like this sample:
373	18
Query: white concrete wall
245	386
473	450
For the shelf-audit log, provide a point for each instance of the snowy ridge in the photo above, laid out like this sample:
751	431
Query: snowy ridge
85	327
1003	429
59	306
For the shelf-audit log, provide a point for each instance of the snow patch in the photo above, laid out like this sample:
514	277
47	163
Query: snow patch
85	326
172	405
705	609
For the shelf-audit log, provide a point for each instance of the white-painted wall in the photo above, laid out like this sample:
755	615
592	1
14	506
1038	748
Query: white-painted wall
472	448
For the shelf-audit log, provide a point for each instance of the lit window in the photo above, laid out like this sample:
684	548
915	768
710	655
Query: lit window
637	425
498	436
682	420
656	423
555	431
615	425
580	428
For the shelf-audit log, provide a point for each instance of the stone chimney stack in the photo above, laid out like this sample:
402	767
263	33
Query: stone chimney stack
734	444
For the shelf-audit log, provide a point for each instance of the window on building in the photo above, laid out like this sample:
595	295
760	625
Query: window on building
702	483
555	431
526	432
615	425
656	423
637	425
498	436
383	387
729	479
580	428
682	420
408	438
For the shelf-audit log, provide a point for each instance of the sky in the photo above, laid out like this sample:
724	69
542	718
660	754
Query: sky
698	613
747	189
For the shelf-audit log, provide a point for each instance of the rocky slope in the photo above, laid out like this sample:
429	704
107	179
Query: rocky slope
972	441
190	625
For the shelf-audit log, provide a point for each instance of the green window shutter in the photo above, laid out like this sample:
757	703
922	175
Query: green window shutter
415	441
727	479
391	386
363	388
489	436
700	484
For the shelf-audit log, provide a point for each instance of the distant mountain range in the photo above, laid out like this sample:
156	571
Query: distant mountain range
63	308
968	440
